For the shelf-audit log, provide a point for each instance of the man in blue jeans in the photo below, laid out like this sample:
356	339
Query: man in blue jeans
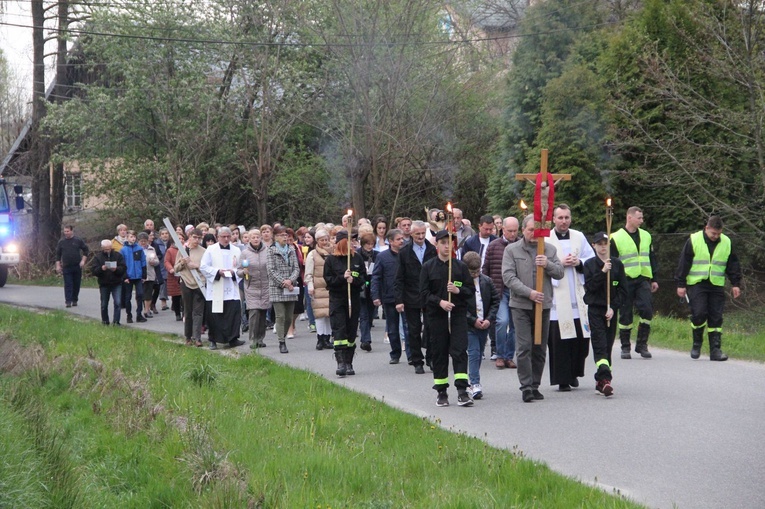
71	255
383	277
109	267
492	267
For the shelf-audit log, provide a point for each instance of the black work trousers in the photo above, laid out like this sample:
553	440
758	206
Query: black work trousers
602	336
445	344
639	297
707	304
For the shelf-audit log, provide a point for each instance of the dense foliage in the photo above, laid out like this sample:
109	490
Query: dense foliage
286	110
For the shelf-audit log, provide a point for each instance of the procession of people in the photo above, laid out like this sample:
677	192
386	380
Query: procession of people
542	296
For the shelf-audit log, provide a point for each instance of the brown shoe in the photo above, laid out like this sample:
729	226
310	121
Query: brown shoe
500	363
510	364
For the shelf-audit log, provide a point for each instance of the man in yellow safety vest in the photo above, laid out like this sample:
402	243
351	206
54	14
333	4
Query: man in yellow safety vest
632	245
706	259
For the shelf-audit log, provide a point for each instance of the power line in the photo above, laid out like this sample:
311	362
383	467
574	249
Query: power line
82	32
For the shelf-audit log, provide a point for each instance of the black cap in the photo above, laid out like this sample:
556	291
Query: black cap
441	234
343	234
599	237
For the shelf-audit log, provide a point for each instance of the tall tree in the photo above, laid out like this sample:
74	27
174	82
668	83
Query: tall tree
388	111
550	30
694	119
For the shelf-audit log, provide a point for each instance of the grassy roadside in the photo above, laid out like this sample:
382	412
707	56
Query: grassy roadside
97	417
743	335
51	280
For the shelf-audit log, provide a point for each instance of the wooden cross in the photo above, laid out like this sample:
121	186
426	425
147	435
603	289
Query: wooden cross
532	177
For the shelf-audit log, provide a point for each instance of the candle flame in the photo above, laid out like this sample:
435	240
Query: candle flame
449	207
608	202
350	212
523	206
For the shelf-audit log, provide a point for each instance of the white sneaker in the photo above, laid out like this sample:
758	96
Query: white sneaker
476	391
290	336
303	318
493	357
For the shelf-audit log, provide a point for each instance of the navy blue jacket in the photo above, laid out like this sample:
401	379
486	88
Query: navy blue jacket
474	244
384	275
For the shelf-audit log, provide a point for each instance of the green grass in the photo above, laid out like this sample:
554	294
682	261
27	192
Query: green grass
743	335
49	279
103	417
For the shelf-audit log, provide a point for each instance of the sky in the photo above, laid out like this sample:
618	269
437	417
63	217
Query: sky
16	42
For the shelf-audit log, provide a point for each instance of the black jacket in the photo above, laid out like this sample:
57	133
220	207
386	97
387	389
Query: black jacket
490	297
70	251
433	280
406	288
595	283
108	277
334	270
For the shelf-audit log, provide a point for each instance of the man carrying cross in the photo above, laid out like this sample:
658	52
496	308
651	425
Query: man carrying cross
520	264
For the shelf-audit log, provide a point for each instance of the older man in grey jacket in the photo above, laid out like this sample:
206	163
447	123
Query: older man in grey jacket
519	265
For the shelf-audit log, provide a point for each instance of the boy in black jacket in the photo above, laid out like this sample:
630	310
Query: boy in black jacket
601	312
445	318
481	316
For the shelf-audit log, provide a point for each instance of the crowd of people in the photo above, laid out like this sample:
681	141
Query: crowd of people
444	290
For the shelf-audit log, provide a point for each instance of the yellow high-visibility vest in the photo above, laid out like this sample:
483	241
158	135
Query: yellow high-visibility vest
636	263
705	266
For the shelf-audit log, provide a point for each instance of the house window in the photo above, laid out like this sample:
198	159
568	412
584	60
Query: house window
73	190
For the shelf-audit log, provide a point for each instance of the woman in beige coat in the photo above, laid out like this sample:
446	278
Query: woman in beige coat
253	267
317	289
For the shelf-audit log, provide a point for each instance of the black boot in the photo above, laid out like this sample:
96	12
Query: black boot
641	345
283	347
341	367
349	353
698	340
715	343
320	342
328	342
624	337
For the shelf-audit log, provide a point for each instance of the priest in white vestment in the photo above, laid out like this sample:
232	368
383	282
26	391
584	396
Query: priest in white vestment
569	338
223	305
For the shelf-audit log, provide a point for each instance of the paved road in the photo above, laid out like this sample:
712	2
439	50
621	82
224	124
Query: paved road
677	433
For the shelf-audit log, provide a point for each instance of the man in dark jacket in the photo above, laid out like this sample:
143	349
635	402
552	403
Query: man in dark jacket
407	294
480	242
109	267
71	255
383	277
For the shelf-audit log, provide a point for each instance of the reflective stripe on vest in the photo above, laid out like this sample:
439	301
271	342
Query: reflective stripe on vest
706	267
635	264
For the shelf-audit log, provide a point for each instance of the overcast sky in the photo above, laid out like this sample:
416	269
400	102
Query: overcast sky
17	43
